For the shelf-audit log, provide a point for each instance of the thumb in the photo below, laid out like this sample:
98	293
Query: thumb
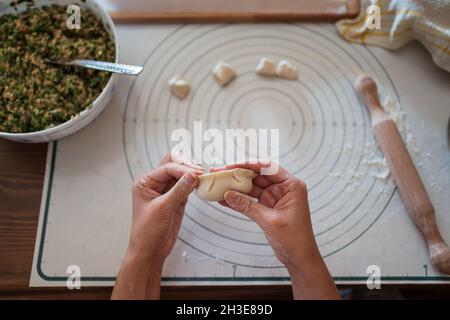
181	190
243	203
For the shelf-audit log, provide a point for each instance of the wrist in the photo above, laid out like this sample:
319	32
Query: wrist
301	262
138	277
142	252
311	279
139	259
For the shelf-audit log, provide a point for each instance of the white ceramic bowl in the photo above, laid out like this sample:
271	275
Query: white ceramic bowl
88	115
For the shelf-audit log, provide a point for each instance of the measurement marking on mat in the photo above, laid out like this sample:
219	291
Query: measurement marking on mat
425	267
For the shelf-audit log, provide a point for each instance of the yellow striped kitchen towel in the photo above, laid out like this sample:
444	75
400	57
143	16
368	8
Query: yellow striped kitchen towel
402	21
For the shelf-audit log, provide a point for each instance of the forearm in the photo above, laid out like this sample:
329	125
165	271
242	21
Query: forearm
311	279
138	278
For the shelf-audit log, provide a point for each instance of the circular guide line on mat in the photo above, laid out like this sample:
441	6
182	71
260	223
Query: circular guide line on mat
324	127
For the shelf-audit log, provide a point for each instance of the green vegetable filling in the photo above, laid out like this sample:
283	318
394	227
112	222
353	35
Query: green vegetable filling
35	94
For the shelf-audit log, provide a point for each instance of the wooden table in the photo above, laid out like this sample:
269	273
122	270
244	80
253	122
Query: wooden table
22	168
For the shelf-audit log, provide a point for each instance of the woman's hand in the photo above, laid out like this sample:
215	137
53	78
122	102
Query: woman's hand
282	212
159	200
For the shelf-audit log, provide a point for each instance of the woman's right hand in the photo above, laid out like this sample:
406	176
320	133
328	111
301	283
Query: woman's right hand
282	212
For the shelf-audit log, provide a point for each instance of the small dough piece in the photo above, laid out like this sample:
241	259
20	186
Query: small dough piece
179	87
265	67
286	70
223	73
212	186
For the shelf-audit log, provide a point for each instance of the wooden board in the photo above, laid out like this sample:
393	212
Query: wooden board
200	11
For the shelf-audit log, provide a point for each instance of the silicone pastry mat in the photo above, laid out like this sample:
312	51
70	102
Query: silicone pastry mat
326	139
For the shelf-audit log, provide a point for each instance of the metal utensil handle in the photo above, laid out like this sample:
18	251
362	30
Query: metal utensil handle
109	66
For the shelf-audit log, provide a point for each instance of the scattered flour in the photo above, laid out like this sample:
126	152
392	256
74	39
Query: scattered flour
185	256
381	164
411	141
383	175
390	106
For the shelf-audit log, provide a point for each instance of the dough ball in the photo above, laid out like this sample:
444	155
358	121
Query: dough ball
213	186
179	87
286	70
223	73
265	67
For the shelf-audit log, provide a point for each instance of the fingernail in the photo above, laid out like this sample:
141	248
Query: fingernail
188	179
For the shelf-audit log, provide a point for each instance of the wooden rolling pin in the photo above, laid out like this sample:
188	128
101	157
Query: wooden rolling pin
406	177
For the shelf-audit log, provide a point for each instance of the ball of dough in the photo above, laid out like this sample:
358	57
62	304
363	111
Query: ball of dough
286	70
179	87
213	186
265	67
223	73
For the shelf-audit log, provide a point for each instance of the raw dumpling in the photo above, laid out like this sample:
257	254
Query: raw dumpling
286	70
212	186
179	87
223	73
266	67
